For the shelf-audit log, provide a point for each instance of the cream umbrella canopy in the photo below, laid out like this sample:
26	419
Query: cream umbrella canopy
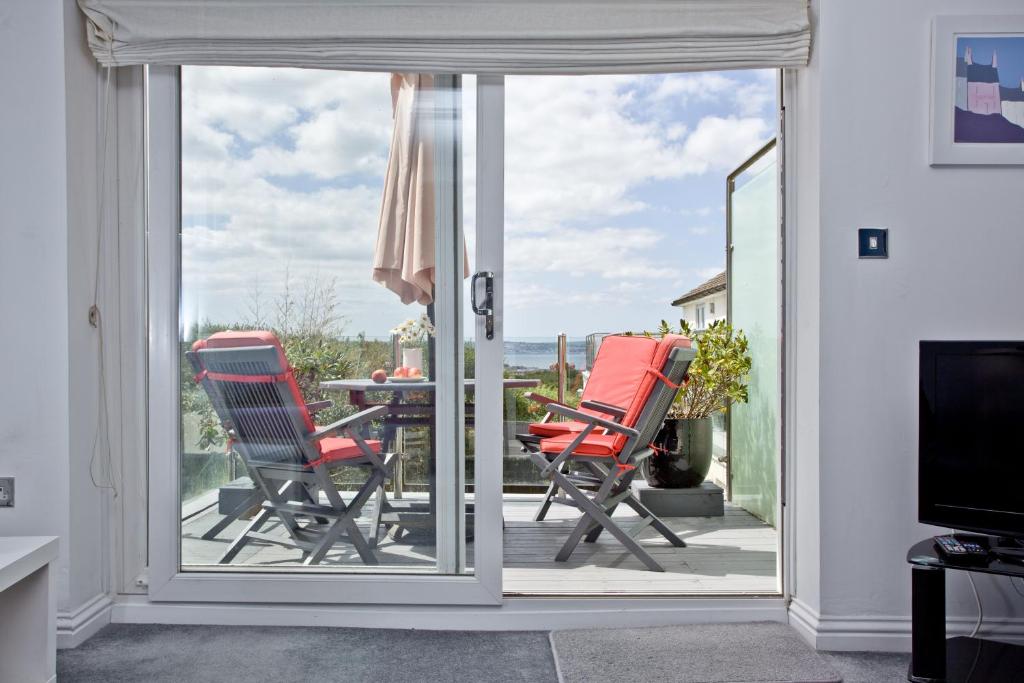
404	259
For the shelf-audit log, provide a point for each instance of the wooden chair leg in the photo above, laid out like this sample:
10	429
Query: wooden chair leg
594	512
243	538
252	500
378	511
662	528
542	511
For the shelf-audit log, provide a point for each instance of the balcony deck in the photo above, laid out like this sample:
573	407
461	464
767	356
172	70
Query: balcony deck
735	554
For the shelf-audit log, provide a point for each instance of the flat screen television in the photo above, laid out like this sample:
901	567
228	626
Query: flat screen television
971	440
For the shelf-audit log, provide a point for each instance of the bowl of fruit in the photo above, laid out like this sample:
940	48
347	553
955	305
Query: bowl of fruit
402	374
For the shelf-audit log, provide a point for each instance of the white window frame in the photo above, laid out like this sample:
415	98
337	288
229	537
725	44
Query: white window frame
166	581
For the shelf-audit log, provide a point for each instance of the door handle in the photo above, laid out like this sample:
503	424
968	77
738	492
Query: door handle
487	308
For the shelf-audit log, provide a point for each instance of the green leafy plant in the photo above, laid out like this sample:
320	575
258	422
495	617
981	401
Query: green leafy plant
718	375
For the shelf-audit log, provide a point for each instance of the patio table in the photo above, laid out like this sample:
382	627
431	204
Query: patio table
405	413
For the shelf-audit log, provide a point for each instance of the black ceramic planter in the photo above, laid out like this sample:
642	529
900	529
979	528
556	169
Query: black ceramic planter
683	455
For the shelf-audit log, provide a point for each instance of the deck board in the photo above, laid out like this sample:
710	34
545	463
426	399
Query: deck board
735	554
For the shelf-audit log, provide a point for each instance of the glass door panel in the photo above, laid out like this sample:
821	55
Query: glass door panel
615	223
754	304
302	193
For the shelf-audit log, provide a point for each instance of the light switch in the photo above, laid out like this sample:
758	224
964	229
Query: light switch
873	243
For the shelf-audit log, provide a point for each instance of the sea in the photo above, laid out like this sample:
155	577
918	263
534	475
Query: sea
540	353
536	353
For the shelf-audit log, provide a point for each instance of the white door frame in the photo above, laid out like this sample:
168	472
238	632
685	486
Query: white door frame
483	587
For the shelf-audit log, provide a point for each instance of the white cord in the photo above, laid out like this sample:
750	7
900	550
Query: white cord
977	599
105	480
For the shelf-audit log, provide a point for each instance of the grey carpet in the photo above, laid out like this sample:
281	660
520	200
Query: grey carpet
251	654
701	653
869	667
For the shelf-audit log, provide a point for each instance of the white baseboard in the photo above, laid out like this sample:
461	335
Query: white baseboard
884	633
524	614
78	625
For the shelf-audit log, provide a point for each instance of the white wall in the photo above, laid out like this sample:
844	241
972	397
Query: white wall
956	241
89	539
48	222
34	431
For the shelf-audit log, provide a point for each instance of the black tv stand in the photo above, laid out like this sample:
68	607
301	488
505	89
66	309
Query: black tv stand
936	659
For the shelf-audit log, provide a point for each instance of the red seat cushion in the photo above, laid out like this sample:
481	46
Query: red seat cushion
557	428
601	445
342	448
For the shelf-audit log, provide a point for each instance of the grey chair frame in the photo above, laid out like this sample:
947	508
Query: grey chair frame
283	459
531	442
606	482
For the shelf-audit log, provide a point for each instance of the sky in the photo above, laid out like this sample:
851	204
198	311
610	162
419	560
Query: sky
614	192
1009	50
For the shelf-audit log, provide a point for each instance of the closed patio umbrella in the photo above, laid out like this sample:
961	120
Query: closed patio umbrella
404	258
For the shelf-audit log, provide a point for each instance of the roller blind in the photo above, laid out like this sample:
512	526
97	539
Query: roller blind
454	36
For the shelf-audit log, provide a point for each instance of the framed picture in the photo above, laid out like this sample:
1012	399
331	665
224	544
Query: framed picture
977	112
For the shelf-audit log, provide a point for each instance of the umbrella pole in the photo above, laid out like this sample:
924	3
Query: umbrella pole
431	358
432	367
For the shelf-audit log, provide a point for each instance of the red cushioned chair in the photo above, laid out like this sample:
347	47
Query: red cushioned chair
253	390
595	465
604	392
619	367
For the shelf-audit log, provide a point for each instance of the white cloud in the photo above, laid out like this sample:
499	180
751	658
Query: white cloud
284	168
709	272
575	154
746	97
723	143
608	253
703	87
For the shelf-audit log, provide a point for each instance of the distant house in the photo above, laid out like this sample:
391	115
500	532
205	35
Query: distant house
983	95
1013	104
705	303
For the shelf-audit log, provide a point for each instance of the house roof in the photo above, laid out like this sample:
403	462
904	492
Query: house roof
715	284
1011	94
982	73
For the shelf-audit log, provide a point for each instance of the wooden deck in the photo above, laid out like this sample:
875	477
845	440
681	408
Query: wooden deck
731	555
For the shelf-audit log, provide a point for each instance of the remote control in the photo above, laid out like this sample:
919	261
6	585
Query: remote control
955	550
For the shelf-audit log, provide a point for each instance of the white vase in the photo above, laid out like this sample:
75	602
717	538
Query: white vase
412	358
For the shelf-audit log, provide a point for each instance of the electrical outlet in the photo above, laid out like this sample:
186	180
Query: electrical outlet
6	492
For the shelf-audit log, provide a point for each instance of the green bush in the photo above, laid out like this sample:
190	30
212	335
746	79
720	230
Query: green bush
718	374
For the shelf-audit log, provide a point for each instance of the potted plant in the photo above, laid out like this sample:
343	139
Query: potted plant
717	378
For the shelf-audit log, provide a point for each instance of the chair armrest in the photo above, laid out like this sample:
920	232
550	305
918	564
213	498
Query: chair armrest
592	419
317	406
539	398
350	421
606	408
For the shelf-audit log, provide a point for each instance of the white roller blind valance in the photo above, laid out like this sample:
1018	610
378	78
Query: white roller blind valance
453	36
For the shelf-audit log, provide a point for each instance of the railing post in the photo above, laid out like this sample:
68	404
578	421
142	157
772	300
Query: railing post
561	367
396	351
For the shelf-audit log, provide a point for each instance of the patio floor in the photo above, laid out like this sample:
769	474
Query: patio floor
733	554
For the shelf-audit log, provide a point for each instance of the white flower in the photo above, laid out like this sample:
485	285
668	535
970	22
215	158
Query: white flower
414	329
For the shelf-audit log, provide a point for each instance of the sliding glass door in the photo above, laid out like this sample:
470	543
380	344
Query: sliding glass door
332	403
325	406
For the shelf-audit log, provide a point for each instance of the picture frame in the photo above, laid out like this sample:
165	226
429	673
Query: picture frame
977	94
